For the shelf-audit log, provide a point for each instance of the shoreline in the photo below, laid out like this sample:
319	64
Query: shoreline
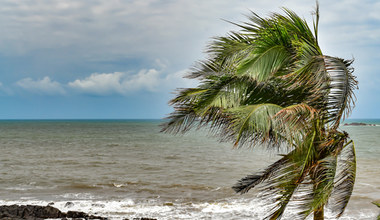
358	124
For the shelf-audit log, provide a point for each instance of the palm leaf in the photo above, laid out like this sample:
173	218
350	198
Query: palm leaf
252	124
344	180
180	121
265	65
322	184
294	120
250	181
376	204
331	83
298	26
281	188
341	86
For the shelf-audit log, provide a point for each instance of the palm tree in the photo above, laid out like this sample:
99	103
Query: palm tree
270	85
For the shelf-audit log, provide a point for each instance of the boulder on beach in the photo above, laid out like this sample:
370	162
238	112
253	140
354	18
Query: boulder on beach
33	212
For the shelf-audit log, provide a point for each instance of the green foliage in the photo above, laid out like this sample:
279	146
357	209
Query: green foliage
377	203
270	85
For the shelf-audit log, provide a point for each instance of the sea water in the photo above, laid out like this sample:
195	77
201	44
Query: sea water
127	169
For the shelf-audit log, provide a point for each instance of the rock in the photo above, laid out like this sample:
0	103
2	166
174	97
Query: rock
98	205
69	204
82	215
358	124
144	219
29	212
141	219
32	212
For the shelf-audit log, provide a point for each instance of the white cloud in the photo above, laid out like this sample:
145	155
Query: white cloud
144	79
125	83
107	84
117	82
101	84
44	86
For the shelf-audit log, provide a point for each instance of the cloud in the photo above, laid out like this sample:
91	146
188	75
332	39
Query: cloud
144	79
117	82
44	86
178	31
165	28
121	83
101	84
175	30
156	80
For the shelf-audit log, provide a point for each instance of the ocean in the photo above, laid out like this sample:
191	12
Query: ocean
128	169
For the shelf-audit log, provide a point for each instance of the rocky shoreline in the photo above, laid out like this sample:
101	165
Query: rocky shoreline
358	124
33	212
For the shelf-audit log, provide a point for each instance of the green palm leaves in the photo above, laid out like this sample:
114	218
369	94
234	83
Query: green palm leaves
378	205
270	84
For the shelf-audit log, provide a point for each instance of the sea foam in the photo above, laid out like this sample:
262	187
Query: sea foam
234	209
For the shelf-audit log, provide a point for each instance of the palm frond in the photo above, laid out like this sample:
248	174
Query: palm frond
344	180
252	124
250	181
281	188
298	26
330	82
316	21
203	69
265	65
312	78
376	204
295	120
322	184
180	121
342	83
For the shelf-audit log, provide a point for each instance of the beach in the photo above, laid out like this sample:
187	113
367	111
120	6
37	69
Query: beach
128	169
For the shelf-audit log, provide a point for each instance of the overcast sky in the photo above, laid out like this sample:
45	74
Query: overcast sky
71	59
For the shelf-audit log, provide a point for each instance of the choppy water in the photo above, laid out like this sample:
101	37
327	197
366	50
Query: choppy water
128	169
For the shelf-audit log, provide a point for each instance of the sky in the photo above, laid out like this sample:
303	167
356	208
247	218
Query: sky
124	59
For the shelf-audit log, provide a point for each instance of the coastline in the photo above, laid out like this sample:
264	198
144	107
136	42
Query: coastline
358	124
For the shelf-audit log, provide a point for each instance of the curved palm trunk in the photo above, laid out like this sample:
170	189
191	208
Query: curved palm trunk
319	214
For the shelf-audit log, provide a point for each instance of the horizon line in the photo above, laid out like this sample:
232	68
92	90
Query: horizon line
41	119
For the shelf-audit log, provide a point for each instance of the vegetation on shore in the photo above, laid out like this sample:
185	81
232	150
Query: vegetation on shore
377	203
